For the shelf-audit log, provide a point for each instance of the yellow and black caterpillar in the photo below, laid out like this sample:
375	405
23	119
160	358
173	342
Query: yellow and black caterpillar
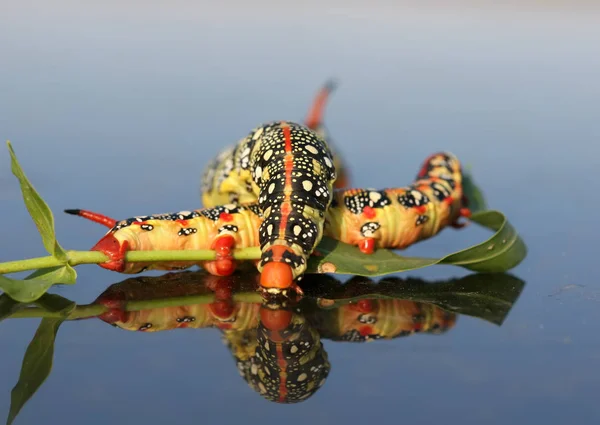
392	218
289	171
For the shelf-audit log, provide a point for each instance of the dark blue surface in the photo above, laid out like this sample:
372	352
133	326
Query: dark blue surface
118	109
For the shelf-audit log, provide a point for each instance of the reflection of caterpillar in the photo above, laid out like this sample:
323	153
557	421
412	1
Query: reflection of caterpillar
277	350
368	218
287	362
358	321
368	319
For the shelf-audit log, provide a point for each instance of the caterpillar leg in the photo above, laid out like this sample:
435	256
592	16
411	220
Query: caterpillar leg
223	308
464	212
367	245
224	265
115	305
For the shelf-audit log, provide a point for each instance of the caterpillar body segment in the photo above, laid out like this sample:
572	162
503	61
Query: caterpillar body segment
222	229
398	217
290	170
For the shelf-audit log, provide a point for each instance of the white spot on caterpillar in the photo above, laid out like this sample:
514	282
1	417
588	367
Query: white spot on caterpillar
302	377
328	162
374	196
257	134
258	172
271	188
294	349
268	154
312	149
297	230
270	229
307	185
254	369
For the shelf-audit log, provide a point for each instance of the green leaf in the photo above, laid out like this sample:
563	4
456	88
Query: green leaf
487	296
500	253
37	283
473	194
38	209
37	364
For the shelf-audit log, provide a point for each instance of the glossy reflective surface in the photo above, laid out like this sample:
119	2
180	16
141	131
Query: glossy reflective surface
117	111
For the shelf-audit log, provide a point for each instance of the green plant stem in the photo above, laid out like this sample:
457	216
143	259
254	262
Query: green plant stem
96	257
93	310
80	312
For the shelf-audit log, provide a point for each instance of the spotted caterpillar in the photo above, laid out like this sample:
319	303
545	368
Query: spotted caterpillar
290	171
214	190
370	219
290	168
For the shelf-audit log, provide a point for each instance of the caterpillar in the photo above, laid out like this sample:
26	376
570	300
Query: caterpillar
291	171
222	165
367	218
278	350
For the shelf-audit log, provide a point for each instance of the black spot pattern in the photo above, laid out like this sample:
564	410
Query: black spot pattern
183	215
299	230
214	213
358	199
228	227
354	335
422	219
368	229
218	169
413	198
187	231
438	163
440	191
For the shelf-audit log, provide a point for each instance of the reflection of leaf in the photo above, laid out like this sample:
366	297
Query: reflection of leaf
36	367
503	251
7	306
486	296
56	303
37	362
38	209
37	283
